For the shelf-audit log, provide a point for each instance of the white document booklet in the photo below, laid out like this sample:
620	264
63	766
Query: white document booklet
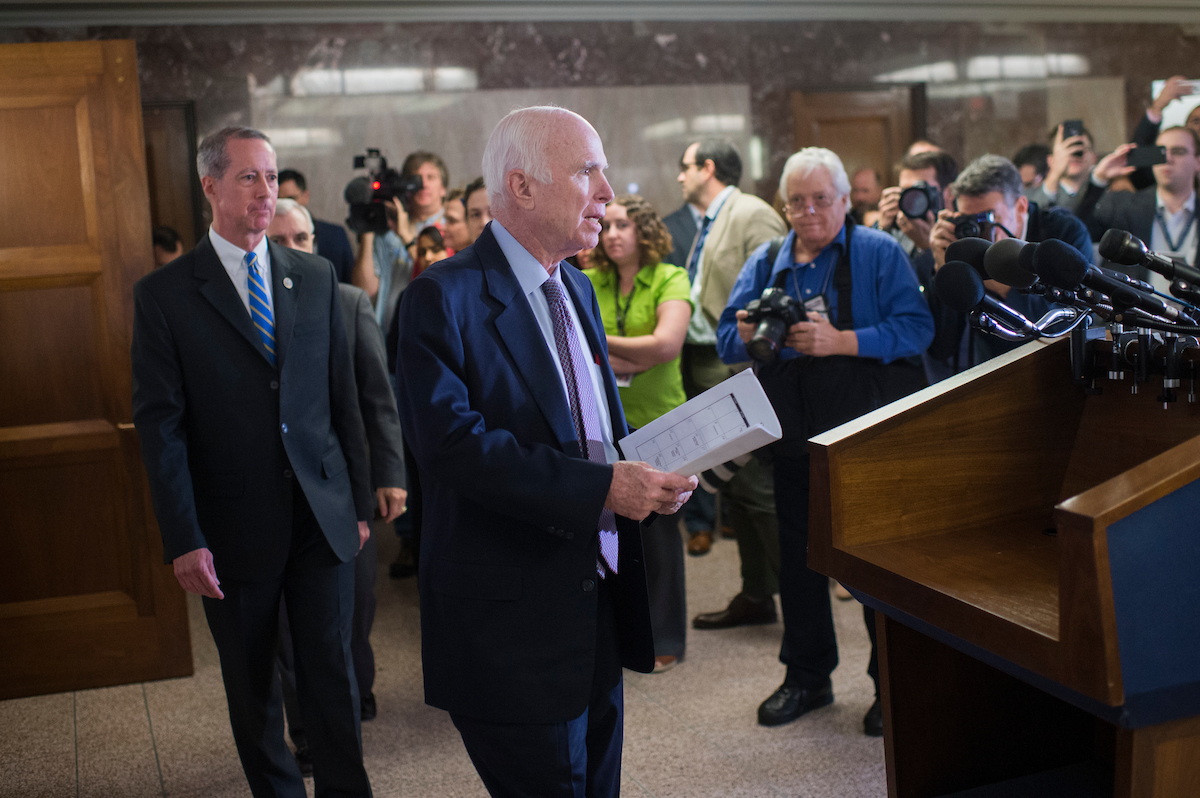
724	422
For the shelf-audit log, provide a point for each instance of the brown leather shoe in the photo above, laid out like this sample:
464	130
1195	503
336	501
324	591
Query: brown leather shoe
665	663
700	543
742	611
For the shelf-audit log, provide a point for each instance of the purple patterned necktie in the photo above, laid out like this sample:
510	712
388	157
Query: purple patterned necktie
584	411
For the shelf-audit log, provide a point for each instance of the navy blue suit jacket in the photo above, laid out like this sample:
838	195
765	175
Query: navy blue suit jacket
334	244
226	436
509	546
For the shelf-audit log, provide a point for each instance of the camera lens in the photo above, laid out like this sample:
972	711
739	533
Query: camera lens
914	202
767	340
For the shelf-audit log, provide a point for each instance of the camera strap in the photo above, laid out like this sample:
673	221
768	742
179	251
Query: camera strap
843	282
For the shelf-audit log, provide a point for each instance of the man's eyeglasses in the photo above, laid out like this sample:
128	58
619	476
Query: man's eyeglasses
798	204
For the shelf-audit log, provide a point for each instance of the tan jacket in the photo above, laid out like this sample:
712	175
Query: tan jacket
743	223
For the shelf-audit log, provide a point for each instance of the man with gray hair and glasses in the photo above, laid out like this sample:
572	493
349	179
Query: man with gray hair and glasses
865	317
244	402
990	189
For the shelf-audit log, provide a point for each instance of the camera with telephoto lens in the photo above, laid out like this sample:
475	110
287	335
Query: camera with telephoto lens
369	196
975	225
919	199
773	312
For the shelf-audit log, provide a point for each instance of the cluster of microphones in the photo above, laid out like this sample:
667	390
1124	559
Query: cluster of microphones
1150	332
1065	277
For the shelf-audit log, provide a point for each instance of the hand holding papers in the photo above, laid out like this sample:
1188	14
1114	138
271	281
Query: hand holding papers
721	424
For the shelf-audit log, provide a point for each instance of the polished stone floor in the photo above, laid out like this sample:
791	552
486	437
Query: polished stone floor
690	732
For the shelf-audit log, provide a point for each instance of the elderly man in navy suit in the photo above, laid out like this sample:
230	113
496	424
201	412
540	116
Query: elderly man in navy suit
533	591
244	401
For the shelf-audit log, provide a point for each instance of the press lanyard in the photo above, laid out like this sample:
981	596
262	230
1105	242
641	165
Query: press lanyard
621	314
824	286
1174	247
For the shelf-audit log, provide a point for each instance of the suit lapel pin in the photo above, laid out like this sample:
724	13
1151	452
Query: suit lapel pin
287	282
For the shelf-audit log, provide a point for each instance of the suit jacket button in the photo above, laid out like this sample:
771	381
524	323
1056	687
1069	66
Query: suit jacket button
588	585
283	428
287	473
569	535
274	385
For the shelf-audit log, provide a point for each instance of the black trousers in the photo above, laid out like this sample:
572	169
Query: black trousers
662	546
809	647
365	564
577	758
319	591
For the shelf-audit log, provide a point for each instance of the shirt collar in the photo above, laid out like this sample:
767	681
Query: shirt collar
714	207
784	260
1189	206
230	252
433	221
529	273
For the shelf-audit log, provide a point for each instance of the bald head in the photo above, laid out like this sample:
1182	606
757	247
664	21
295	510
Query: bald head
544	170
292	226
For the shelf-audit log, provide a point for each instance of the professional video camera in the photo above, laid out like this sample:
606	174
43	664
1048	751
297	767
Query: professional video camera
369	196
919	199
773	312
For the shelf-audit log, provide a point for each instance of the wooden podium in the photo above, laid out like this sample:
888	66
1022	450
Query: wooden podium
1033	553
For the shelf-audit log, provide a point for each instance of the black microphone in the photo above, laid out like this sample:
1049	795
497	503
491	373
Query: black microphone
1060	264
1127	249
1009	261
970	251
960	288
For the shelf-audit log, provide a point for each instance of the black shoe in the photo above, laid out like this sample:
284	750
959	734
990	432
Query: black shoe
790	702
742	611
367	705
304	762
873	720
405	564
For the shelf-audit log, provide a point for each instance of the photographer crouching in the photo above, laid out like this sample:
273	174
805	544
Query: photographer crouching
830	351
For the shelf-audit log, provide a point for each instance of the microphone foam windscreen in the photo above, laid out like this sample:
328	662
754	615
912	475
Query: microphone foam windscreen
1002	262
971	252
1117	246
359	191
1059	264
958	286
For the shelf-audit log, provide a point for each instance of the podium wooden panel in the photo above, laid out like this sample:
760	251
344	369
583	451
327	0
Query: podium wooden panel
1035	554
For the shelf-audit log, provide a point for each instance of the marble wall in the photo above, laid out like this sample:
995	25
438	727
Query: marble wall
989	87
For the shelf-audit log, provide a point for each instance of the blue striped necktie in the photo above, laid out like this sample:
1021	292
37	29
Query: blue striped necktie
260	305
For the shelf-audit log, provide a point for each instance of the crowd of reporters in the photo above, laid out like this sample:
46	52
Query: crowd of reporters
848	270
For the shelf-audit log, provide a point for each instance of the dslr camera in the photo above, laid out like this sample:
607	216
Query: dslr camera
919	199
369	196
975	225
773	312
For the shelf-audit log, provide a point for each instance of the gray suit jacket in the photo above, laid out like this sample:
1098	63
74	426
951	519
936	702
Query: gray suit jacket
376	401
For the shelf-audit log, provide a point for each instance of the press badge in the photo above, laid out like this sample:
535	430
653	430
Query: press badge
816	307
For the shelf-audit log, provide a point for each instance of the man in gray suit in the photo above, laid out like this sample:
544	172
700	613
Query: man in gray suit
293	227
732	227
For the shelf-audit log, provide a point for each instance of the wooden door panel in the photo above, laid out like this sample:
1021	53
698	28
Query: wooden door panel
54	375
870	128
84	598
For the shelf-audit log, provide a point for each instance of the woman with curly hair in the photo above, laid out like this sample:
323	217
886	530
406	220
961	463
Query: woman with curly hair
646	307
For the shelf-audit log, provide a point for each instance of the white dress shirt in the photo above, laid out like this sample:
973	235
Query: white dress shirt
233	259
531	274
699	330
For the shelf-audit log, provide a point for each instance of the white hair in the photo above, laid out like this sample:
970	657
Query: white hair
811	158
520	141
285	206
